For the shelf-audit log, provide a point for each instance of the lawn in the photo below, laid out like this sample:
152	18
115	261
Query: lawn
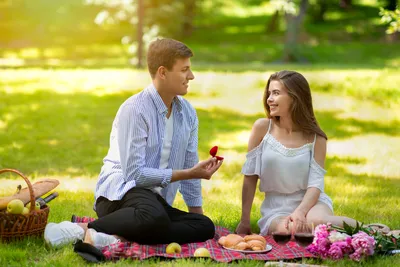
56	123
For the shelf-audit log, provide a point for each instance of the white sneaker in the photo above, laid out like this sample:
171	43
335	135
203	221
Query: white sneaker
59	234
99	240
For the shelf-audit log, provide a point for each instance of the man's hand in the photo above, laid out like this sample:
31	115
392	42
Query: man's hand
198	210
243	228
206	168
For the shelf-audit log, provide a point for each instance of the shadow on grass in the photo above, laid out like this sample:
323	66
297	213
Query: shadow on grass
338	128
373	198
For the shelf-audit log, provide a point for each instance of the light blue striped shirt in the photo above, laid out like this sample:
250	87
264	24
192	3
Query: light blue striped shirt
136	140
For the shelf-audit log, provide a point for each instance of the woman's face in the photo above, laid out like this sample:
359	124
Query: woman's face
279	101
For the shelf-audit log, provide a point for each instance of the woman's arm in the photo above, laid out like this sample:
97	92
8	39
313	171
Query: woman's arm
312	193
248	191
258	131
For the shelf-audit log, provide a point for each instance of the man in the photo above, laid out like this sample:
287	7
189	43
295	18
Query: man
153	151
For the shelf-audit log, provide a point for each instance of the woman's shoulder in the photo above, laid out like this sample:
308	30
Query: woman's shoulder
261	125
259	130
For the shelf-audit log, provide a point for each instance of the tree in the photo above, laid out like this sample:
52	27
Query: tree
392	18
189	11
140	12
318	8
391	4
156	22
294	23
345	3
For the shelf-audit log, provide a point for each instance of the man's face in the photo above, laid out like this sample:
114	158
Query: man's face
178	78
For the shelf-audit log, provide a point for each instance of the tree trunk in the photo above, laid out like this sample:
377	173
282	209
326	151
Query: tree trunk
294	25
322	8
273	24
189	13
140	10
391	5
345	3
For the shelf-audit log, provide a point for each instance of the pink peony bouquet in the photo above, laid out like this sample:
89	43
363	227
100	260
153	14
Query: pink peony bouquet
331	243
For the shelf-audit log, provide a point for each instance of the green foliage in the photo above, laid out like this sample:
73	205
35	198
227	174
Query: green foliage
392	18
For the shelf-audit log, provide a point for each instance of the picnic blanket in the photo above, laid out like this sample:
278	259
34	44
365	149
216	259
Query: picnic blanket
134	250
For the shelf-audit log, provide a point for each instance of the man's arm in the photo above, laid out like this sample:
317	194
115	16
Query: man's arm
191	189
132	141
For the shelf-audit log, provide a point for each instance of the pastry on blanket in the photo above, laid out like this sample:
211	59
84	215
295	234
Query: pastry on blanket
242	246
256	242
232	241
260	238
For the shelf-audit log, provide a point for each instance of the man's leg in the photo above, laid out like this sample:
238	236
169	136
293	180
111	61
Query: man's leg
136	216
184	227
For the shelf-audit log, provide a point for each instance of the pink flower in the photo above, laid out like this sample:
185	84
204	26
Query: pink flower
363	242
329	243
335	251
356	256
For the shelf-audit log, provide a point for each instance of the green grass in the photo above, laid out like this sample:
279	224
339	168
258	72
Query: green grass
56	123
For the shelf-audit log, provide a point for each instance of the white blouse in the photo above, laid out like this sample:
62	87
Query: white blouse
284	170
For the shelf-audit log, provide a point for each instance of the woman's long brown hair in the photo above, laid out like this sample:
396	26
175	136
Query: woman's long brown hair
301	110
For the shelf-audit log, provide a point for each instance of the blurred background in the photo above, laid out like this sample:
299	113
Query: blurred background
115	33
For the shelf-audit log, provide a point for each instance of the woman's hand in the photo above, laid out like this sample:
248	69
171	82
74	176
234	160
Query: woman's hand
243	228
297	216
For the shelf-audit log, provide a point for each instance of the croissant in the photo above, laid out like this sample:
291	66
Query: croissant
256	244
260	238
242	246
231	240
253	242
222	240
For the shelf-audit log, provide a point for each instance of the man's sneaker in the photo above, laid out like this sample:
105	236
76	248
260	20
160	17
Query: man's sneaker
99	240
59	234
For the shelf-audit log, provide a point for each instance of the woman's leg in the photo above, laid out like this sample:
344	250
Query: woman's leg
322	214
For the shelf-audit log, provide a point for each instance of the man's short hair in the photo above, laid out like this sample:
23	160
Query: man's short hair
165	52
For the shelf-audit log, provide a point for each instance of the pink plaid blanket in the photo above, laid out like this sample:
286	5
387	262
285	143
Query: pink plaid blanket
140	252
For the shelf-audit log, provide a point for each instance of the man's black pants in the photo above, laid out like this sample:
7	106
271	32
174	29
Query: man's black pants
145	217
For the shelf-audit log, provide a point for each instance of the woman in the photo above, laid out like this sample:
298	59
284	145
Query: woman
287	153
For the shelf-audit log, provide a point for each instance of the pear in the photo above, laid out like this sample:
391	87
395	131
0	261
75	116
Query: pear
15	206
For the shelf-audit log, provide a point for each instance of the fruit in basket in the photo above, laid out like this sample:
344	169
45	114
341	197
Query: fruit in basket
15	206
37	205
25	211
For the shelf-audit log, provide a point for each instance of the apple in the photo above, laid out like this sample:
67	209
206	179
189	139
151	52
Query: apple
202	252
15	206
37	205
25	211
173	248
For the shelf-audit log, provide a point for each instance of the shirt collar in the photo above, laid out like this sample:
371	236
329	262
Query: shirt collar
161	108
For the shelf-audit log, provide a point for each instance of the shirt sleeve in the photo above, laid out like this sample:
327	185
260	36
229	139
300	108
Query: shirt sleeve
252	165
191	189
132	141
316	176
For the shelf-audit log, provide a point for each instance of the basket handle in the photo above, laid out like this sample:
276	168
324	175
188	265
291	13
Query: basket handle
32	195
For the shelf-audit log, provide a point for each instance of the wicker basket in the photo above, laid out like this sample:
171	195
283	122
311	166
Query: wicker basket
18	226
